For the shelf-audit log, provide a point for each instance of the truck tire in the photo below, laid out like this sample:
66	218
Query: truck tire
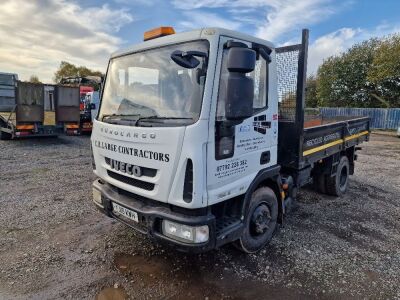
337	185
5	135
260	221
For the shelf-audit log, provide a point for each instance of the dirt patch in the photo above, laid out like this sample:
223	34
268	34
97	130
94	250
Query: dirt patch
112	293
55	245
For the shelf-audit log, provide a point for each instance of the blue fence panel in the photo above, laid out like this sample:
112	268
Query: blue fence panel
381	118
393	118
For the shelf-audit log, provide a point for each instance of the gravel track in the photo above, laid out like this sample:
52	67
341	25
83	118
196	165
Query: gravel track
55	245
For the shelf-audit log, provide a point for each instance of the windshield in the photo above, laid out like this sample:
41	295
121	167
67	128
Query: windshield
149	86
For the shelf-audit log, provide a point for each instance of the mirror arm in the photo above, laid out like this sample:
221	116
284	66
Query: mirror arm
263	50
264	55
194	53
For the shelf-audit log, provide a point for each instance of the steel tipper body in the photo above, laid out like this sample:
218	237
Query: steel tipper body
31	113
36	110
185	144
88	102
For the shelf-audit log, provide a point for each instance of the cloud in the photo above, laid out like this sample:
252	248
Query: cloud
340	40
330	44
199	19
37	35
286	15
189	5
271	18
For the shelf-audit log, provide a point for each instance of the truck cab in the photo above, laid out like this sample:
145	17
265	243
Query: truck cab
185	144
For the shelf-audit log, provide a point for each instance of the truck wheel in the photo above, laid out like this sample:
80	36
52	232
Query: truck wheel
260	221
337	185
5	135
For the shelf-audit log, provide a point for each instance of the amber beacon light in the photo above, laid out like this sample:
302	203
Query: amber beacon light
158	32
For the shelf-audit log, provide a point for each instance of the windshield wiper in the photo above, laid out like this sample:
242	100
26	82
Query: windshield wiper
155	118
150	118
165	118
115	116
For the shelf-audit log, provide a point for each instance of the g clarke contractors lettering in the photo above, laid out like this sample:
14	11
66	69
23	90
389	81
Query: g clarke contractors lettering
133	151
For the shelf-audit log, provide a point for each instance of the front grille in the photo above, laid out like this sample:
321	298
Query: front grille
149	172
148	186
153	203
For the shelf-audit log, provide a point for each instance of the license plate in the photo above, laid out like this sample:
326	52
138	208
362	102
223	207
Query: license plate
130	214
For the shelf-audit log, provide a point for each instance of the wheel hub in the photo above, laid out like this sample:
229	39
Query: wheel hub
260	219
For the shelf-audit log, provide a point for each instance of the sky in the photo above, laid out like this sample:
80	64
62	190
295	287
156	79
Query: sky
36	35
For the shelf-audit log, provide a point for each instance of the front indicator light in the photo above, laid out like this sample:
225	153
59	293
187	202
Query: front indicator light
185	233
92	157
97	197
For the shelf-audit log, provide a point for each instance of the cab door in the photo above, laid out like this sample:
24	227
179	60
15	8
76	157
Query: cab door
237	152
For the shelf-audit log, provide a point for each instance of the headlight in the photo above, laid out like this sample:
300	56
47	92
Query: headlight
185	233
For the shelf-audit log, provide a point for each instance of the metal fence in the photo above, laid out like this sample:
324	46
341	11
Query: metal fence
381	118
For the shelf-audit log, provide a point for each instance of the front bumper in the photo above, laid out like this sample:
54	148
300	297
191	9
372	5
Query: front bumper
151	213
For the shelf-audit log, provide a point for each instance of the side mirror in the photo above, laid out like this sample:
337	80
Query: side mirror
187	59
239	88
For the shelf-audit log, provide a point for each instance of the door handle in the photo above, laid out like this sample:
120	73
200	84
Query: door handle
265	157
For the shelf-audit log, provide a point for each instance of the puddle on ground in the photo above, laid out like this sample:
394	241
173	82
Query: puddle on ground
150	268
112	293
192	282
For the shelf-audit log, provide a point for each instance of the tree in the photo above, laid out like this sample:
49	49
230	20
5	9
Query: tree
34	79
385	71
343	79
311	92
67	69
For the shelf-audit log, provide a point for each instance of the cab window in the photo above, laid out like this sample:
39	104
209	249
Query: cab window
260	77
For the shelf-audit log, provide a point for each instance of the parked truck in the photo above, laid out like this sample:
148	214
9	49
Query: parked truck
35	109
200	139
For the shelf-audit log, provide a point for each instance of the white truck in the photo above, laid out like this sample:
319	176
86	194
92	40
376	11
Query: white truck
200	139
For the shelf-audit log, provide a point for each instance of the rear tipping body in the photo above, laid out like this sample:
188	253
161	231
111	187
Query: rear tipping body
88	87
179	154
68	108
38	110
300	147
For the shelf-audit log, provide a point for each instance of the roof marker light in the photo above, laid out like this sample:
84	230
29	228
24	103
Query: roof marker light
158	32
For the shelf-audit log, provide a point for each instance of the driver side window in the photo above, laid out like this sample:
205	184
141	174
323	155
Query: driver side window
260	78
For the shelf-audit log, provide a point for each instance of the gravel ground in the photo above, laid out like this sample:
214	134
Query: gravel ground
54	244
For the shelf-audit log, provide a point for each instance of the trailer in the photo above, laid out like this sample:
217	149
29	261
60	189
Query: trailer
201	139
37	110
87	94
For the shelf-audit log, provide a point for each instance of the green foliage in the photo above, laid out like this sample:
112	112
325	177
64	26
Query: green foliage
385	71
342	80
34	79
366	75
311	92
67	69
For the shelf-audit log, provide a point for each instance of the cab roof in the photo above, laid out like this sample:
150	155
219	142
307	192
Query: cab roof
203	33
